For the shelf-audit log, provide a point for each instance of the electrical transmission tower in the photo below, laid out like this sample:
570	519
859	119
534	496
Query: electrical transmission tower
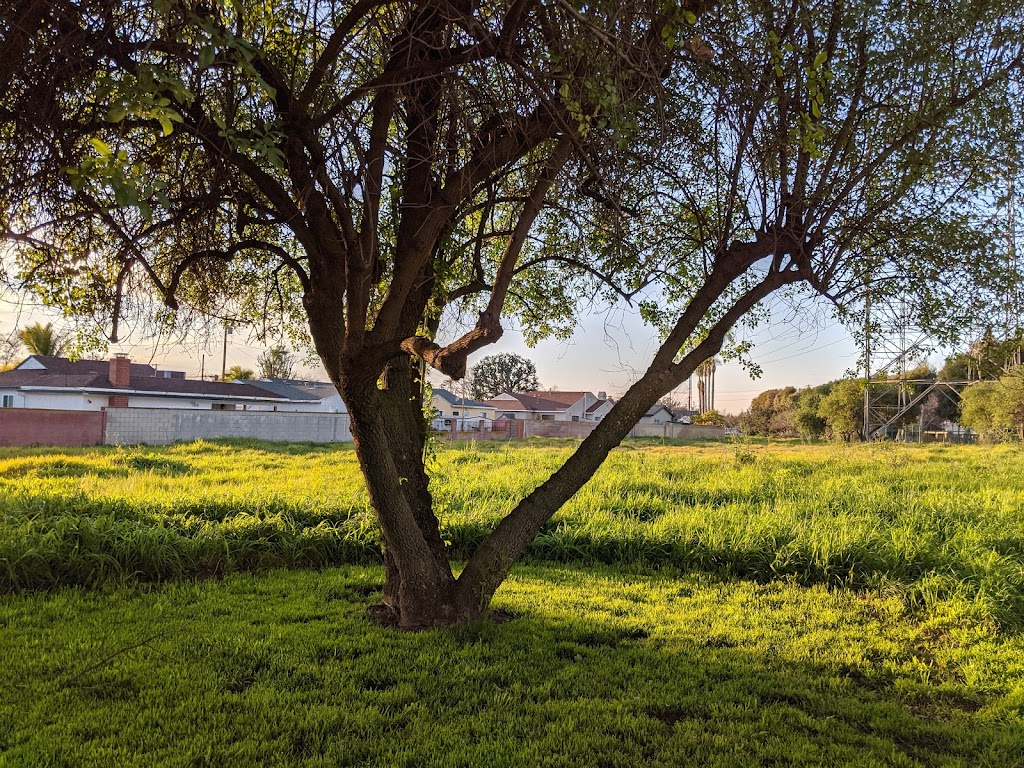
893	344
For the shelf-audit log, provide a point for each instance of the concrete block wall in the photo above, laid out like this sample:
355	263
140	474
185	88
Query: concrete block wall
558	428
687	431
159	426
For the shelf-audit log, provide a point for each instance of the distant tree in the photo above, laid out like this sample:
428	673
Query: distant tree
505	372
42	339
276	363
710	418
843	409
996	408
237	372
807	420
771	413
8	349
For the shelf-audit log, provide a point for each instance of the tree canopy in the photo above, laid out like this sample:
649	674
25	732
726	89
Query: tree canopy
276	363
506	372
394	181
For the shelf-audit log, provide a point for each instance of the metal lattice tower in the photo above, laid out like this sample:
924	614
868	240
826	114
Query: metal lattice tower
893	343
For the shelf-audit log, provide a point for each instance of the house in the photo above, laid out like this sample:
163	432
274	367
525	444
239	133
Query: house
306	396
56	383
656	414
600	409
463	412
549	405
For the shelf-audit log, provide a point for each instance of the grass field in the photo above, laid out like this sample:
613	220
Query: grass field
697	605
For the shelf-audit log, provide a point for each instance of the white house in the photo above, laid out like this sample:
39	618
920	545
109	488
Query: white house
56	383
656	414
463	412
551	405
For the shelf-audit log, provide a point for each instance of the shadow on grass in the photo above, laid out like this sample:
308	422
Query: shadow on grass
599	669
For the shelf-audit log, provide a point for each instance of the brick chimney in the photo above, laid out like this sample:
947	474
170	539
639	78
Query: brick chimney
120	375
120	371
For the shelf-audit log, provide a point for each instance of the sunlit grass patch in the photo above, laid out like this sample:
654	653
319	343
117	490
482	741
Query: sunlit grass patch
930	523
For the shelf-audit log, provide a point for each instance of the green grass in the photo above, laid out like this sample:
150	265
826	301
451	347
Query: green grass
718	605
602	667
933	522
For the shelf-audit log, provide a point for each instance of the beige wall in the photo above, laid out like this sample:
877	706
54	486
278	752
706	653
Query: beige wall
159	426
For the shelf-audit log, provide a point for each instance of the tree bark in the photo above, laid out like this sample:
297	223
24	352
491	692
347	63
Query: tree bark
388	429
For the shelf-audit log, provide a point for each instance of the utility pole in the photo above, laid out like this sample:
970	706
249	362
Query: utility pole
224	359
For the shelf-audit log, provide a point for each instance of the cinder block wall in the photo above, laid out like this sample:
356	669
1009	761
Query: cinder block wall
690	431
558	428
159	426
33	426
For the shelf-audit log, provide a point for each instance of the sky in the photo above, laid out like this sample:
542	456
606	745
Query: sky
796	346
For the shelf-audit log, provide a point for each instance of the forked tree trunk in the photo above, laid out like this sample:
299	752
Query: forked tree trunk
390	431
420	590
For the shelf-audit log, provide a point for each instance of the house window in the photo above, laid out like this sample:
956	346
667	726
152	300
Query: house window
575	418
455	413
8	401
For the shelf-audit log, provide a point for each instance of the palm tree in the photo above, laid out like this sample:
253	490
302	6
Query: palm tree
706	385
42	339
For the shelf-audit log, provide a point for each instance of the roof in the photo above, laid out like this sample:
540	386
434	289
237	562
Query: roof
53	364
310	391
529	402
462	402
597	405
195	387
568	399
43	378
653	410
80	377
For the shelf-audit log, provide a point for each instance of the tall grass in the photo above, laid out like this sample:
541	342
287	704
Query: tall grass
928	522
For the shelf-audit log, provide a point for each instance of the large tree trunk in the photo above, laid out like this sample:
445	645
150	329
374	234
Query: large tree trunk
390	433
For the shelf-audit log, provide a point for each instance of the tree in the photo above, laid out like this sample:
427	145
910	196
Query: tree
995	408
42	339
502	373
365	169
237	372
808	421
843	409
710	418
770	413
276	363
706	385
8	349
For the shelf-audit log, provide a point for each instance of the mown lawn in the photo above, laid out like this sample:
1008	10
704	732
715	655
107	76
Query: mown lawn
694	605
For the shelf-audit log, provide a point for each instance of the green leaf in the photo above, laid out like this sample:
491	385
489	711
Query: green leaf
101	147
206	56
166	124
116	113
